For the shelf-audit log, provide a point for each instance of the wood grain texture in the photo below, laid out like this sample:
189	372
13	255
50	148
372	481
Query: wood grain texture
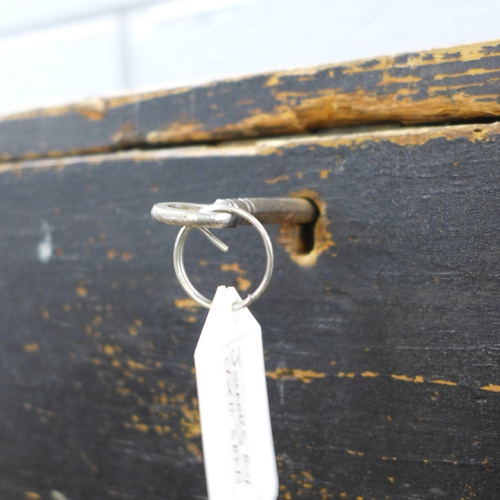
382	357
449	85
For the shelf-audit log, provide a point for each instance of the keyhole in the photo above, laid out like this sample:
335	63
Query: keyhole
306	236
306	242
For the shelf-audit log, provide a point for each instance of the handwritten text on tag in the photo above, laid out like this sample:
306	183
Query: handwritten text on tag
236	429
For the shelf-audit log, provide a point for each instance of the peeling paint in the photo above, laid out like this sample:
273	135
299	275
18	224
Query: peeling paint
406	378
444	382
233	267
135	366
31	347
191	419
280	178
491	387
31	495
402	136
356	453
188	304
305	376
194	450
243	284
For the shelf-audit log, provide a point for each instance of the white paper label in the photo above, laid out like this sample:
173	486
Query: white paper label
234	410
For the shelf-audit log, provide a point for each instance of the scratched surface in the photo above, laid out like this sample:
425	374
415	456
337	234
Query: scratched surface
381	349
440	86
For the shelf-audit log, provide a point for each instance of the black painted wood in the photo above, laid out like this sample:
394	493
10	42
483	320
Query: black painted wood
456	84
382	358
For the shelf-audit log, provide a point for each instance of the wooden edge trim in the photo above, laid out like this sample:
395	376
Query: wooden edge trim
411	136
438	86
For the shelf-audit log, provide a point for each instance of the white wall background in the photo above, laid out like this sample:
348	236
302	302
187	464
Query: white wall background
55	51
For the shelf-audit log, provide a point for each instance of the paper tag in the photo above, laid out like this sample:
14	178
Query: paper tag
234	410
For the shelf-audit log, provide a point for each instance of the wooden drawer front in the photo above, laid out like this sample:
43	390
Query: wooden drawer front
382	356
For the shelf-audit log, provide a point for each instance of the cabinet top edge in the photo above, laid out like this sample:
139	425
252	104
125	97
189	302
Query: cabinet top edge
405	137
457	84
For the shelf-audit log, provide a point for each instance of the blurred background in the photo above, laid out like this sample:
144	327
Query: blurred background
56	51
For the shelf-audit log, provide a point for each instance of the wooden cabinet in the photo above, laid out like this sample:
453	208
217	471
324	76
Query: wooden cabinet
381	345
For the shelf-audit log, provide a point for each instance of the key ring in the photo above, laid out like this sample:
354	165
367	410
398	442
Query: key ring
231	213
180	270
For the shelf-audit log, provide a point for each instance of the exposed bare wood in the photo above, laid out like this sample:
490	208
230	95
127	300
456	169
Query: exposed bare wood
439	86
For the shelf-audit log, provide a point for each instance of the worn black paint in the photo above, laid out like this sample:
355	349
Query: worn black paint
215	108
402	217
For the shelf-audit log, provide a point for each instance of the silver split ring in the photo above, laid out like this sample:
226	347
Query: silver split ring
180	270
